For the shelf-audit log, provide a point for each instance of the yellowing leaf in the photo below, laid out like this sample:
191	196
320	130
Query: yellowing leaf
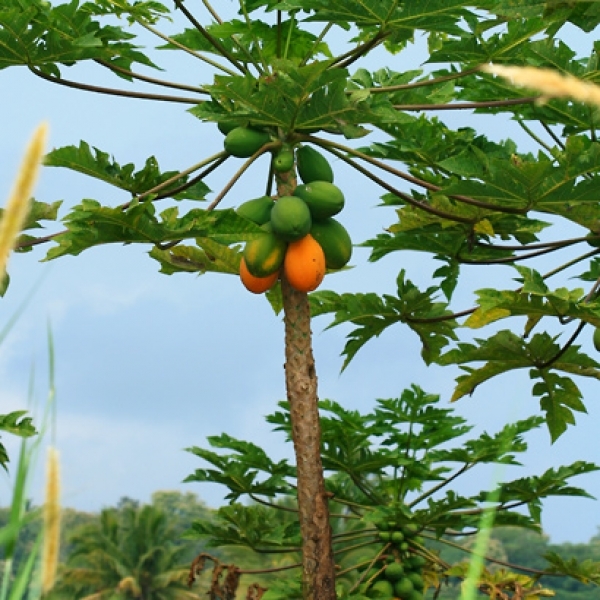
482	317
484	226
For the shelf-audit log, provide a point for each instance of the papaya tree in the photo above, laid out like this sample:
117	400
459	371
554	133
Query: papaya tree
292	81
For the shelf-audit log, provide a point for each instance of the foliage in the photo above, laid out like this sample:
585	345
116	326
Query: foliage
402	463
131	552
470	194
455	194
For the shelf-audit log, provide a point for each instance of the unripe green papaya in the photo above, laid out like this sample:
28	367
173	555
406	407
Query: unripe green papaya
337	247
290	218
257	210
226	126
597	338
264	255
313	166
394	571
404	588
417	580
381	589
245	141
283	161
323	198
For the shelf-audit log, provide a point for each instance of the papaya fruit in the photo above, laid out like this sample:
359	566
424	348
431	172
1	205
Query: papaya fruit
394	571
322	197
381	589
417	580
226	126
404	588
256	285
264	254
257	210
597	338
245	141
304	264
336	243
283	161
313	166
290	218
397	536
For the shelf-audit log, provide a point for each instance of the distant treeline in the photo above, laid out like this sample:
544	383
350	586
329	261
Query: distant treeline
508	546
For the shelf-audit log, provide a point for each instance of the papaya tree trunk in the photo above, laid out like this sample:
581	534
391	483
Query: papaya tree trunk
318	567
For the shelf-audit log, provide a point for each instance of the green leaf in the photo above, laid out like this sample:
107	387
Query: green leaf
255	41
39	35
98	164
291	98
17	423
534	301
586	571
90	224
372	314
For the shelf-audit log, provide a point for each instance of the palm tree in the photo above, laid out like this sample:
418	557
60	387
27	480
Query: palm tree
127	554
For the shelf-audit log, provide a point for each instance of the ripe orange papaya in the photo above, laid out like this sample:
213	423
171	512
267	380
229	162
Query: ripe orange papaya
256	285
290	218
304	264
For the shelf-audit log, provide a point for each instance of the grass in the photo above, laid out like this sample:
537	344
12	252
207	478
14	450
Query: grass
17	584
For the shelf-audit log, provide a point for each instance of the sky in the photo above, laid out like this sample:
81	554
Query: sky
148	365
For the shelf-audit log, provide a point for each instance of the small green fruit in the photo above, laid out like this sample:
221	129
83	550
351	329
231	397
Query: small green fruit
283	161
417	581
243	142
397	537
394	571
597	338
381	589
226	126
404	588
385	536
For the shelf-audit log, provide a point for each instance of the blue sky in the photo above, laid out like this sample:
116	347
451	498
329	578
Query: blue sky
147	365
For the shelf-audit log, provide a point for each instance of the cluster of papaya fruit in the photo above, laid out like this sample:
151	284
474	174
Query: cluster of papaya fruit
301	238
399	573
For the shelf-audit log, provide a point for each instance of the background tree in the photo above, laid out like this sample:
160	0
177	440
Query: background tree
131	553
468	195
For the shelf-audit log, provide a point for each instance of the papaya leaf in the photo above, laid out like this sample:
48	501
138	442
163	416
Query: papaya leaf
211	257
586	571
372	314
534	300
37	34
90	224
505	351
15	423
254	41
291	98
257	527
98	164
